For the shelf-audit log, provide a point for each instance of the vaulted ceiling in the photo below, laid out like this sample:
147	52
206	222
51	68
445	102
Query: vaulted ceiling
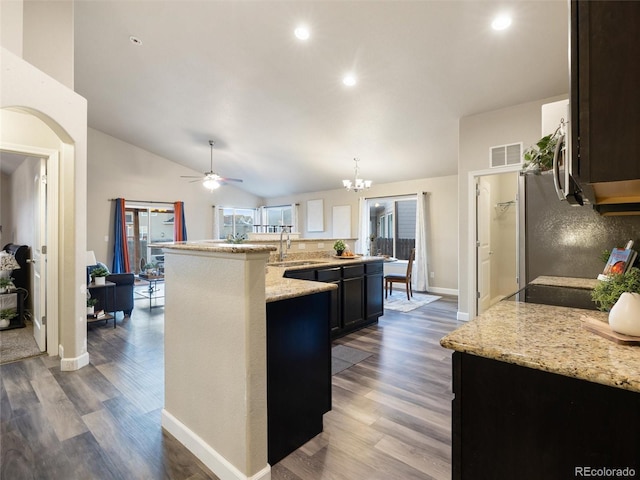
283	121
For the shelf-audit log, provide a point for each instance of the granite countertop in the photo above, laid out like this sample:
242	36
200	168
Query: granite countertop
551	339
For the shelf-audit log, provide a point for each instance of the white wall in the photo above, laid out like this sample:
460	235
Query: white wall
48	38
478	133
443	204
117	169
6	220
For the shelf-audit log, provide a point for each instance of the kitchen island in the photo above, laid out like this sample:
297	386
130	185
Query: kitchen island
247	354
539	396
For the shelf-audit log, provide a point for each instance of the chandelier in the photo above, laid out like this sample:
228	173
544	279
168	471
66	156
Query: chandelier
358	183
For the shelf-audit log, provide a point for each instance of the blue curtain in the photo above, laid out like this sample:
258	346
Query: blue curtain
121	252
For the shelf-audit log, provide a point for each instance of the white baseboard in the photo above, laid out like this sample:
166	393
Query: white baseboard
207	455
71	364
443	291
464	316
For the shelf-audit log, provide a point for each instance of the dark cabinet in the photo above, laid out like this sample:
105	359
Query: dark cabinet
357	302
605	118
374	289
298	371
512	422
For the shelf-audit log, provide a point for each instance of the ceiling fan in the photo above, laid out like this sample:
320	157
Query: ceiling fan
210	179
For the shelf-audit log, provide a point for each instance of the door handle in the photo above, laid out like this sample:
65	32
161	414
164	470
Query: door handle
30	260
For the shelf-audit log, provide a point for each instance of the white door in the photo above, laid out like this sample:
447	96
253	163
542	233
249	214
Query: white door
483	244
39	259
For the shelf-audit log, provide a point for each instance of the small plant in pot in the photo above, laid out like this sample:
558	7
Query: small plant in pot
91	305
339	247
6	315
539	157
150	268
98	275
607	292
6	284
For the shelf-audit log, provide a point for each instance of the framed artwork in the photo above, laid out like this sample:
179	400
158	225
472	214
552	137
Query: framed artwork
315	215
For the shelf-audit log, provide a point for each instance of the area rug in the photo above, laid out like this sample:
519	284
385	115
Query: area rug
17	344
399	302
343	357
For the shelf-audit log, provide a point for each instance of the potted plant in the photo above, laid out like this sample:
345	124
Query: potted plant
6	315
91	305
98	275
6	284
607	292
539	157
339	247
150	268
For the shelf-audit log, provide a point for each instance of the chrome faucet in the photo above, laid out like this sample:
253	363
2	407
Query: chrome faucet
284	230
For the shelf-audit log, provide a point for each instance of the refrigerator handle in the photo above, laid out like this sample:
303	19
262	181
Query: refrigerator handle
556	168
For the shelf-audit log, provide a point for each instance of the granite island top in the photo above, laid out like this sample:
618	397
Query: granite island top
551	339
277	287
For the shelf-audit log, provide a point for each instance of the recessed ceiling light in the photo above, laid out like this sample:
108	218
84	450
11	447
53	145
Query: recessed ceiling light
302	33
501	22
135	40
349	80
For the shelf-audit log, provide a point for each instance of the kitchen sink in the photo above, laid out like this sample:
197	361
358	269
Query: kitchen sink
298	263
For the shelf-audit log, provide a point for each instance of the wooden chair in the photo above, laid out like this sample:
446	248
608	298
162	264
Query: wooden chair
390	279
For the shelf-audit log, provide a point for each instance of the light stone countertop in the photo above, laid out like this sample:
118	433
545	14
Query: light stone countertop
551	339
277	287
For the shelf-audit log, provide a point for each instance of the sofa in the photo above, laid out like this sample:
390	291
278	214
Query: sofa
123	301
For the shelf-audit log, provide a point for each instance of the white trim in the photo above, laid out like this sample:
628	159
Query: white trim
207	455
443	291
464	316
472	261
70	364
53	198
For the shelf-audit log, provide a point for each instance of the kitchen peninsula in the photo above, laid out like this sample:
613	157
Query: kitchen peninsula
247	353
539	396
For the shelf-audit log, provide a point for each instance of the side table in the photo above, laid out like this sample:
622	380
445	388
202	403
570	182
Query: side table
111	293
152	290
14	299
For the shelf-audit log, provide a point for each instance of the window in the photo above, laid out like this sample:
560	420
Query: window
147	225
392	226
235	222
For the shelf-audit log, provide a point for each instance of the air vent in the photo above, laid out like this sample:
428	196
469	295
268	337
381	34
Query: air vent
504	155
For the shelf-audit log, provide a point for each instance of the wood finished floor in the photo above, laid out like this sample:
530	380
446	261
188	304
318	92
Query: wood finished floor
391	413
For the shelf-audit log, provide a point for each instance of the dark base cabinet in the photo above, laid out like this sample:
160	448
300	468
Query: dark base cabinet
516	422
16	299
358	302
298	371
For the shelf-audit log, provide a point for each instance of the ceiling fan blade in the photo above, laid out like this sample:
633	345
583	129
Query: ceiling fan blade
224	179
190	176
199	179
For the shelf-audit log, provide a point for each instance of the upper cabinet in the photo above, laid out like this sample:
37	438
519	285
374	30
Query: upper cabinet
605	101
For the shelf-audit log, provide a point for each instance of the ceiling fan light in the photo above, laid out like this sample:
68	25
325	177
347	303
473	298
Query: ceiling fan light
210	183
346	184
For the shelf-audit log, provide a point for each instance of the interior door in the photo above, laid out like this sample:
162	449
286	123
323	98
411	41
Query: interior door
483	244
38	260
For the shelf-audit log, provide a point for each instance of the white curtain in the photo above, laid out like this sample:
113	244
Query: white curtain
420	274
216	223
362	244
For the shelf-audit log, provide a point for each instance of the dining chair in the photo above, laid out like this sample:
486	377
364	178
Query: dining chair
392	278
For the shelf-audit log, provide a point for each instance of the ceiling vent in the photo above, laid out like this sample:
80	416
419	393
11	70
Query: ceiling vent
504	155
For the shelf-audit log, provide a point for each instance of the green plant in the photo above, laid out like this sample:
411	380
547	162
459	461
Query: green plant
604	256
607	292
540	156
8	313
339	246
6	282
99	272
92	302
237	238
150	266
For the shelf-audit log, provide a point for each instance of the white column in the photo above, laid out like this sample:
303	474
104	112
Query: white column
215	356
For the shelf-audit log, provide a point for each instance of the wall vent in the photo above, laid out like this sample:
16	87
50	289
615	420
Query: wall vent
504	155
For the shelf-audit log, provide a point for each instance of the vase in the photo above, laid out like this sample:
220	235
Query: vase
99	280
4	323
624	316
339	252
91	310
